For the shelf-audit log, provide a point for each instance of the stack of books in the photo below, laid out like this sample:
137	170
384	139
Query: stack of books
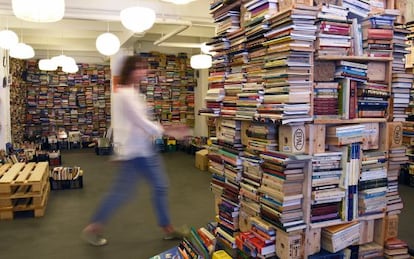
397	157
281	195
261	137
259	242
396	248
327	192
372	186
288	62
334	31
336	238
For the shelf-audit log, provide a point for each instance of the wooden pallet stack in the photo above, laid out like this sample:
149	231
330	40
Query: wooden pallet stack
24	187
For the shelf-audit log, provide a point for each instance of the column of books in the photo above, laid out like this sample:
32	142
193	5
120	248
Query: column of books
365	59
269	183
17	101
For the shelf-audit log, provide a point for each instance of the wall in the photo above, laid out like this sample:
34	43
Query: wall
5	135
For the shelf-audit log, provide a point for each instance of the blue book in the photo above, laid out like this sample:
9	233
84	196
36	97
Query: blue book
172	253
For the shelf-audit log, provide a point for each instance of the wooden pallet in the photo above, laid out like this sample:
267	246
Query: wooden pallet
17	177
23	188
35	210
24	195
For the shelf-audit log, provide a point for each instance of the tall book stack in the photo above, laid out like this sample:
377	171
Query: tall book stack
230	152
402	80
281	195
288	77
372	186
327	191
334	31
397	158
255	26
249	195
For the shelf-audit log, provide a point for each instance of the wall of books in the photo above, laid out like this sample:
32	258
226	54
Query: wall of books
17	100
71	102
309	99
169	87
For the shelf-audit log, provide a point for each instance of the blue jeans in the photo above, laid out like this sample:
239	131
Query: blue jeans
131	172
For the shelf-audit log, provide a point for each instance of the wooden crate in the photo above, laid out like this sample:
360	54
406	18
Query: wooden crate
391	135
289	245
316	139
385	228
366	231
292	139
313	241
370	139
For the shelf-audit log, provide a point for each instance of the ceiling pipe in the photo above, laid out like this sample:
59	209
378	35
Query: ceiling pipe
180	45
173	33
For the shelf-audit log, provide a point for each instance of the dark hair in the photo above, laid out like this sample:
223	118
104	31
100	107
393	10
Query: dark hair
130	64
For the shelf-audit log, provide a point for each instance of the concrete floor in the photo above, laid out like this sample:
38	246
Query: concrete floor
133	232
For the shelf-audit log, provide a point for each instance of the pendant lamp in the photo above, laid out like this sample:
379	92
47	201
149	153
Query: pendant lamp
201	61
47	65
179	1
8	39
39	10
22	51
107	44
138	19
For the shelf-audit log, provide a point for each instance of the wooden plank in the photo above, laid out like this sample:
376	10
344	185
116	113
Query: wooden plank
316	133
21	178
9	176
313	241
39	172
4	168
366	231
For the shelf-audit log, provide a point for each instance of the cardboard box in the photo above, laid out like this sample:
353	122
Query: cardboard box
292	139
201	159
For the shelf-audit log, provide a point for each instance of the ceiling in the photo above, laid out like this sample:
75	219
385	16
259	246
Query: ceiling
84	21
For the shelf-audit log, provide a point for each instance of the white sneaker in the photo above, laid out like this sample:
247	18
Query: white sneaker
94	239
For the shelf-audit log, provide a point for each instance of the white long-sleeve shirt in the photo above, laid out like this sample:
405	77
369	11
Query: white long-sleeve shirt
133	132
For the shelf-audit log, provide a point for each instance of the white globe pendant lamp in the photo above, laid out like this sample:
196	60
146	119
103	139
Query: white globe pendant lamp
47	65
39	10
107	44
70	68
137	18
8	39
22	51
201	61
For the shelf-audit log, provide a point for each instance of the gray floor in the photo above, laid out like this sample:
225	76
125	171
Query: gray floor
133	232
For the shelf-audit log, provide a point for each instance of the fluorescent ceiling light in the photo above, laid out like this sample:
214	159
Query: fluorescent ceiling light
39	10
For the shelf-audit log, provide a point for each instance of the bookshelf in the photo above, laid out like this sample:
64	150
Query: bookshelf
360	125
